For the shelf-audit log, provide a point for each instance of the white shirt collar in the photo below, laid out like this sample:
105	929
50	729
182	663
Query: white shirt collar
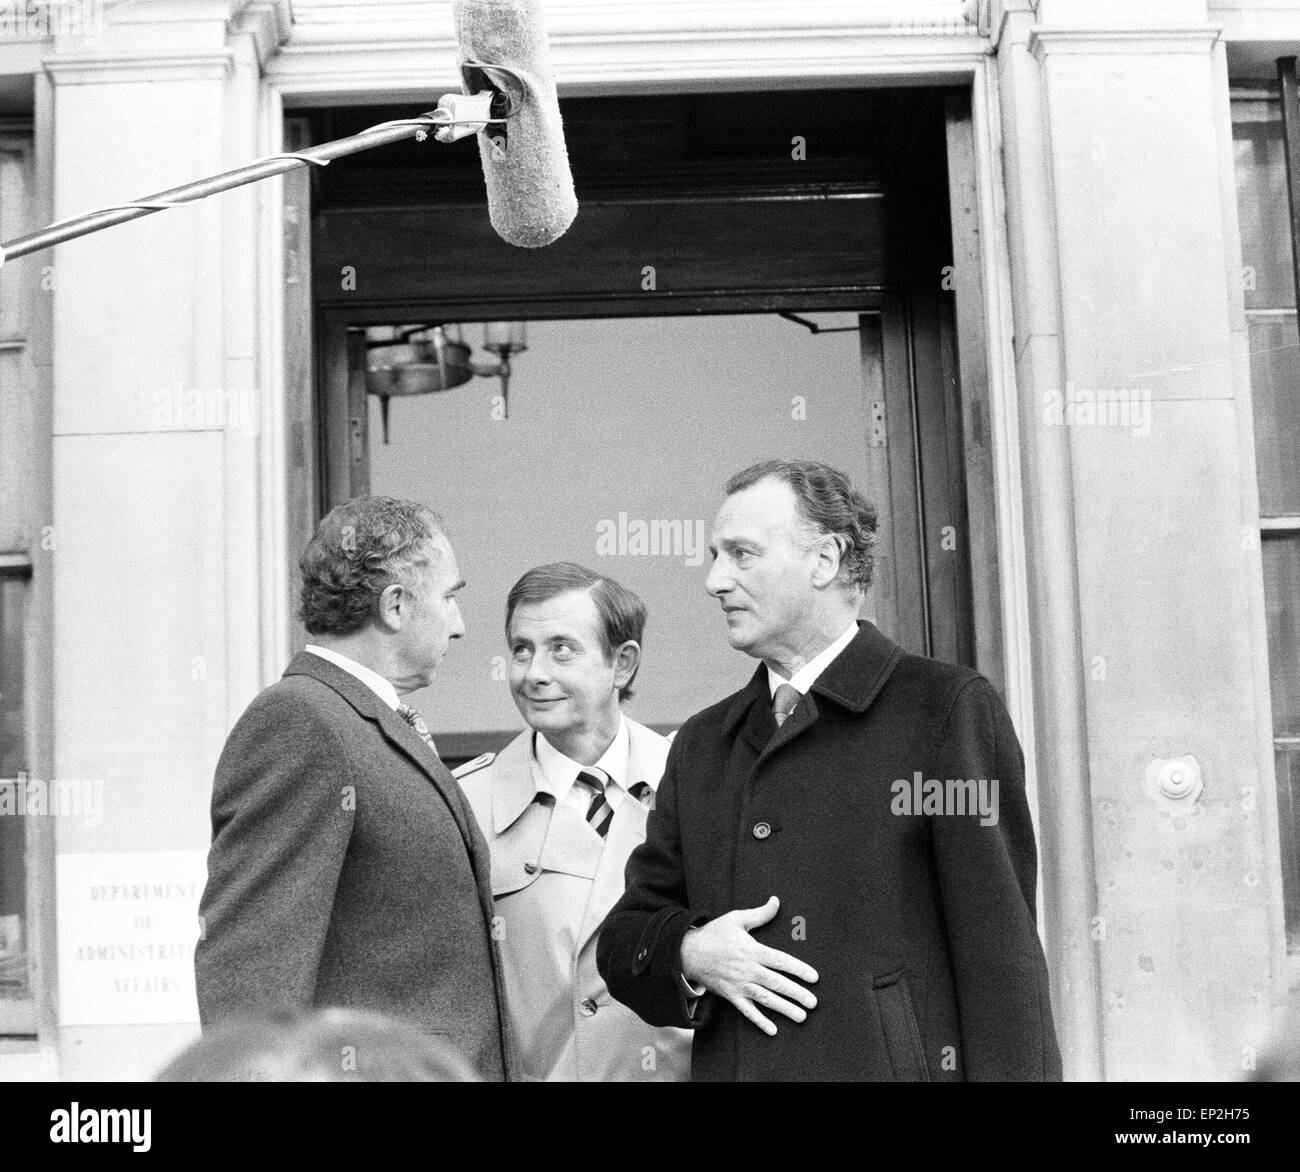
807	675
372	679
554	773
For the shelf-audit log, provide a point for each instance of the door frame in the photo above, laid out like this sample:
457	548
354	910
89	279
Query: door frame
984	311
967	63
731	48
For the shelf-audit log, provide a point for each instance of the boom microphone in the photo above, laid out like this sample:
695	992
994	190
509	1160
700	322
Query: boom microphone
531	201
509	102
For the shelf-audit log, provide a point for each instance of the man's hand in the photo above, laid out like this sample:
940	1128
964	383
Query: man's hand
724	958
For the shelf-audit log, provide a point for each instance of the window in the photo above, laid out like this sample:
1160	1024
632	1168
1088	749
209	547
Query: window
1269	281
14	980
18	384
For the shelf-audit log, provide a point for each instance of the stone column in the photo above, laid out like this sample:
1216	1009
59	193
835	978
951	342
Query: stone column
1160	863
162	399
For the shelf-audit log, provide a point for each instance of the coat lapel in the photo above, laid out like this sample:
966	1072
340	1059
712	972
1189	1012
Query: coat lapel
512	783
751	712
852	680
401	736
796	724
511	806
855	676
626	833
647	753
407	741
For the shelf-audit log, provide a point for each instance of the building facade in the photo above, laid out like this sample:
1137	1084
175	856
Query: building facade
176	410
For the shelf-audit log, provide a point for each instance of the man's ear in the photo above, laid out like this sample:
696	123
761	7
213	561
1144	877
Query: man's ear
829	552
627	659
391	606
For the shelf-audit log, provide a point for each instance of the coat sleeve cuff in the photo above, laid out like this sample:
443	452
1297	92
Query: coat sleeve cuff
658	956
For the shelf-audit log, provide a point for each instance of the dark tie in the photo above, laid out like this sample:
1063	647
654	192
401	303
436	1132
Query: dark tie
599	812
784	701
416	721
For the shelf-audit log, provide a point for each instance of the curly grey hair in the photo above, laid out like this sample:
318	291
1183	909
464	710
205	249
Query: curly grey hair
359	550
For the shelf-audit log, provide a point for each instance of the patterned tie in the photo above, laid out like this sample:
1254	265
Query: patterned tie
416	721
599	813
784	701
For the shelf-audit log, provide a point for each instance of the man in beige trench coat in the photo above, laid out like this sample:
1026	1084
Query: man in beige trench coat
562	807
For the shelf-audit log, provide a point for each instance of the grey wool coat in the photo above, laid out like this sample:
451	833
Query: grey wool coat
920	924
347	870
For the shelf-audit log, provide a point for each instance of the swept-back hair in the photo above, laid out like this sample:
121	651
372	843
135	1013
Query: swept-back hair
828	504
622	613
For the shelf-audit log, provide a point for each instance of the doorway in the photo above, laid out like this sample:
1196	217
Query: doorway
703	222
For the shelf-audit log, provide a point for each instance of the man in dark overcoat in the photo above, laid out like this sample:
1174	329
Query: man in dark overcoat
844	845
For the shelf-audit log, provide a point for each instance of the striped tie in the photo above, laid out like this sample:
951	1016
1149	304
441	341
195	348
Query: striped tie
599	813
416	721
784	701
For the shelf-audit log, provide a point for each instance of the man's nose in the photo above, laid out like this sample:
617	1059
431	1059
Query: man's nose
458	625
535	672
717	582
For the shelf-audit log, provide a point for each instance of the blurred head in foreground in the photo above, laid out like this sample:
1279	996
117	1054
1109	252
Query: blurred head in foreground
328	1045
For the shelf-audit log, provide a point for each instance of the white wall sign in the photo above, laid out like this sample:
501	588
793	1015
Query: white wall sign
128	924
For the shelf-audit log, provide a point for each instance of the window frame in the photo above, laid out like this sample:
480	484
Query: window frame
32	1022
18	1014
1278	526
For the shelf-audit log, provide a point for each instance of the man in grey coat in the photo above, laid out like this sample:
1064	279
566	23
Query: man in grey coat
346	868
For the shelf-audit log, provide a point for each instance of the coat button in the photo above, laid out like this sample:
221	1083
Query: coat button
588	1007
642	954
531	866
762	830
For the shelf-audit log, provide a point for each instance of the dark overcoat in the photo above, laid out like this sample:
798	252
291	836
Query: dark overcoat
346	869
921	925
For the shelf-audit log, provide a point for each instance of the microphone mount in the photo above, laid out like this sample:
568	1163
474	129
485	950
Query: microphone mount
473	112
503	87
